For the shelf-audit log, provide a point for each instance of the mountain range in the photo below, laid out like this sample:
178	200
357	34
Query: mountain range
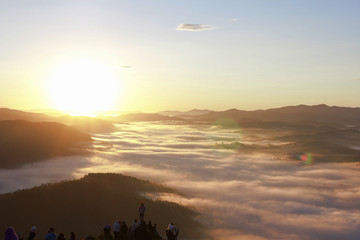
291	114
331	133
295	114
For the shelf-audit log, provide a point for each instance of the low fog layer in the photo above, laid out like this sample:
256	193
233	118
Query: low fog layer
239	195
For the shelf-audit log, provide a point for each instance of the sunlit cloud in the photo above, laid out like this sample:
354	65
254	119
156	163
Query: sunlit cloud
194	27
233	19
52	171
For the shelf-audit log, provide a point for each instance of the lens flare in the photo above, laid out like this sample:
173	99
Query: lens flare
306	158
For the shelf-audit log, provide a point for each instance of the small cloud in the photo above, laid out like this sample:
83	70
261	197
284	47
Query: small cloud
194	27
233	19
124	67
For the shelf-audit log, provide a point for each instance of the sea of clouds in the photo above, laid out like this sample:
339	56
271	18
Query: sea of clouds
238	195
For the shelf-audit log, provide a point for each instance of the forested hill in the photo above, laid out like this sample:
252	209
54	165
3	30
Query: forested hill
24	142
85	206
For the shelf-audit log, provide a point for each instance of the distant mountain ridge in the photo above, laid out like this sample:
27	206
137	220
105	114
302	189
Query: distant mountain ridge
292	114
317	113
193	112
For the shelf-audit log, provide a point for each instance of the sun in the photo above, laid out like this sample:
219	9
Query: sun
83	87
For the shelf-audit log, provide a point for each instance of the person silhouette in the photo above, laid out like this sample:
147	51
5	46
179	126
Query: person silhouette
134	225
107	233
51	235
10	234
171	232
61	236
32	233
142	211
124	229
116	228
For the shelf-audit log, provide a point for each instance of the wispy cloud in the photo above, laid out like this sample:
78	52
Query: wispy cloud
194	27
233	19
124	67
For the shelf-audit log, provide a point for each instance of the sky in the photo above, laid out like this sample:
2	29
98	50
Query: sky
214	54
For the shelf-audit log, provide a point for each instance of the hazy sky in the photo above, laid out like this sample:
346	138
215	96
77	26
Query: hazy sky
186	54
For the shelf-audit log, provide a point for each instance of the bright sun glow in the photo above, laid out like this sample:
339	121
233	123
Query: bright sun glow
83	87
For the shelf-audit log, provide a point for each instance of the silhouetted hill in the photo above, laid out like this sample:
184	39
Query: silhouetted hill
24	142
11	114
145	117
85	206
318	113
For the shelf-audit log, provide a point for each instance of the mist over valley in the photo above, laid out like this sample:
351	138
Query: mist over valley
246	178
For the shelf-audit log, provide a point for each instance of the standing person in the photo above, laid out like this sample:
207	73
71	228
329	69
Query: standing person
61	236
142	211
150	226
32	233
174	229
157	235
107	233
116	228
124	229
51	235
134	226
10	234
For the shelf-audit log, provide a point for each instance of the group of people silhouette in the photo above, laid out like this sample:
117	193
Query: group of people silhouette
139	230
